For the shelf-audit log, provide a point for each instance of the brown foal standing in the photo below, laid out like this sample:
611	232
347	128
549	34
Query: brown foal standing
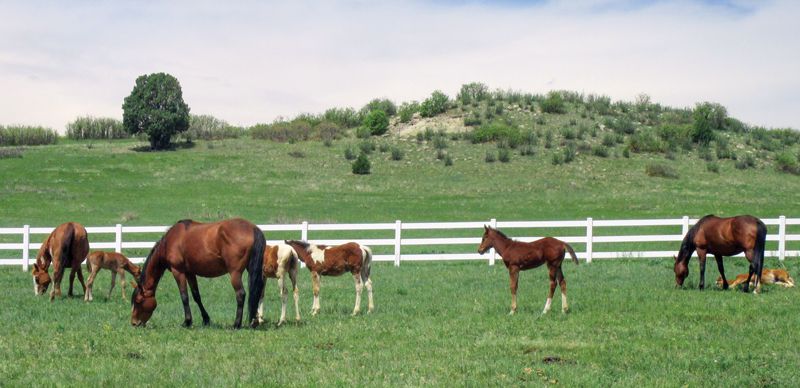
519	256
115	262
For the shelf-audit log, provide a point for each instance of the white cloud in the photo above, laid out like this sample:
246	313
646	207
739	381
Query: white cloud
251	61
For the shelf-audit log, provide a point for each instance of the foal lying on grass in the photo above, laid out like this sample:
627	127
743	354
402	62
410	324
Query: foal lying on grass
768	276
117	263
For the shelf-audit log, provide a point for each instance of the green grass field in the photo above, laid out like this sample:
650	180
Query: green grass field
436	323
440	324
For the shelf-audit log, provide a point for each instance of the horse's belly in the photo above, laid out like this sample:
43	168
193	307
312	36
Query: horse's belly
724	251
207	269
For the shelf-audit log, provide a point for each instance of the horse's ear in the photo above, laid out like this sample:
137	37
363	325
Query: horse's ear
485	227
675	258
36	267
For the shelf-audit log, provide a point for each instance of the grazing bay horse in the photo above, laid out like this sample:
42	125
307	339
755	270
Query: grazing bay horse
519	256
278	261
190	249
66	247
723	237
115	262
334	261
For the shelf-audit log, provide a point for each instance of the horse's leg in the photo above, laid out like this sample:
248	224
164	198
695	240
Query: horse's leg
58	273
562	284
284	295
113	283
721	268
295	291
77	267
71	281
754	270
315	288
371	305
359	288
552	274
90	282
701	257
513	276
180	278
121	282
192	280
260	312
236	282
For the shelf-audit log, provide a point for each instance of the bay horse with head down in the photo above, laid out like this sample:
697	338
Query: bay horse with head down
334	261
723	237
519	256
66	247
190	249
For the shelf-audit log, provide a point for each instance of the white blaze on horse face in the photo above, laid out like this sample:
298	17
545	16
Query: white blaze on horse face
318	255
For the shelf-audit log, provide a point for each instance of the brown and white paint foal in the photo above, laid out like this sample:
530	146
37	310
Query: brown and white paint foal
334	261
278	261
115	262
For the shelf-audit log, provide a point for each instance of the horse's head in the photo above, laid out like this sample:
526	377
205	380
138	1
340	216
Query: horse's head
143	304
41	279
681	271
486	241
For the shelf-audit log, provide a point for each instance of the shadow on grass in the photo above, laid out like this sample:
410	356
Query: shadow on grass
184	145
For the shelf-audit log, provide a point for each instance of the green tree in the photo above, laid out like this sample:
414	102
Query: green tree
554	103
155	107
434	105
707	117
361	166
472	92
377	122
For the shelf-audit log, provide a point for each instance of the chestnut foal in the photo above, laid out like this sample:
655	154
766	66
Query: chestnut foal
66	247
519	256
278	261
115	262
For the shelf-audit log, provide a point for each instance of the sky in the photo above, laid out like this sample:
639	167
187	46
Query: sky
252	62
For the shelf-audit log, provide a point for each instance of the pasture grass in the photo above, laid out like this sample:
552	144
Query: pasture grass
435	323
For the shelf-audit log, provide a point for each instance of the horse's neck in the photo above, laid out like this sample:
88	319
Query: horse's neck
154	271
501	243
129	267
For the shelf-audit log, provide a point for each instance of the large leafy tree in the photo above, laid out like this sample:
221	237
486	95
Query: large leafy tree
156	107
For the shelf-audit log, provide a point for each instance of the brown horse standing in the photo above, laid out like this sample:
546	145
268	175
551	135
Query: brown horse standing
115	262
65	247
519	256
190	249
723	237
278	261
334	261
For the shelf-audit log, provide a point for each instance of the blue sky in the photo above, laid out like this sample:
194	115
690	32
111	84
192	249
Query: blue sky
252	61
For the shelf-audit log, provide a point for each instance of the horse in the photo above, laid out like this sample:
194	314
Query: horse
334	261
115	262
190	249
768	276
723	237
278	260
66	247
519	256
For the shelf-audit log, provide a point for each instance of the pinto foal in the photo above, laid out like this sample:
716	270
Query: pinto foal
114	262
334	261
519	256
278	261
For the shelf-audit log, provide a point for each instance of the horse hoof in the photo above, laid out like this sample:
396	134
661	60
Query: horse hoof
187	323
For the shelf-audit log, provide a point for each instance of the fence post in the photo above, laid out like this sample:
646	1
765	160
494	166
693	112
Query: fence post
589	234
782	238
304	237
118	241
685	226
398	226
492	253
26	240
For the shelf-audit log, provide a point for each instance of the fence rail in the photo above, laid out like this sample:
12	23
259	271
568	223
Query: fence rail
590	239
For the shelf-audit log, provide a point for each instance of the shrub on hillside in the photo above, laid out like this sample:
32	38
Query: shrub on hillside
489	158
377	121
661	170
397	154
745	162
448	161
89	127
349	154
344	117
472	92
10	153
407	110
19	135
435	104
707	117
361	166
787	162
328	131
646	141
621	125
208	127
283	131
712	167
383	104
496	131
600	150
553	103
503	155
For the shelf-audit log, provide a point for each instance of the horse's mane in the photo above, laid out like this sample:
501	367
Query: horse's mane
501	233
303	244
687	245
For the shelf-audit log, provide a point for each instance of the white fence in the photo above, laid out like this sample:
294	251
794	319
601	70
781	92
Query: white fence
29	246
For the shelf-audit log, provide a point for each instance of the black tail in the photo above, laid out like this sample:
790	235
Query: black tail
255	270
758	260
571	253
66	247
